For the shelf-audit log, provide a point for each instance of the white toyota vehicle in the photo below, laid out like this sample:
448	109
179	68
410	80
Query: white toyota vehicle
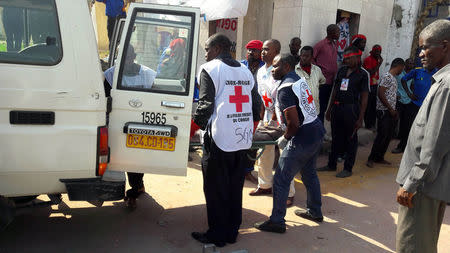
54	134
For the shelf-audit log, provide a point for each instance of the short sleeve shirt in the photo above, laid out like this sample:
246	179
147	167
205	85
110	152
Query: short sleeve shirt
287	97
349	88
422	83
370	63
388	81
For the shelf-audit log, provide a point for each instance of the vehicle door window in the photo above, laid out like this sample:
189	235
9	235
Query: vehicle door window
29	32
157	53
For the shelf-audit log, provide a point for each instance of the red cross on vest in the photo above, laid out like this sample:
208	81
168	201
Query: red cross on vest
310	98
266	100
238	98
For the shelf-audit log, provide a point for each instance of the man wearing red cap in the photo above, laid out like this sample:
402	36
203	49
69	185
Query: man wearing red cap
253	63
372	64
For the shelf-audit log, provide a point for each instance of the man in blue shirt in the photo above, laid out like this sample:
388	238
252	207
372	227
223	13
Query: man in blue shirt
420	87
115	9
301	143
405	108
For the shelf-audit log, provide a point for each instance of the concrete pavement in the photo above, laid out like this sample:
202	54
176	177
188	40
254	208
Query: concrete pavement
360	216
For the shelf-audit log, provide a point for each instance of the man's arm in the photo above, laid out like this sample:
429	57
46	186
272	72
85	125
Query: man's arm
435	142
410	75
382	88
256	104
206	100
363	102
322	79
292	122
316	52
332	98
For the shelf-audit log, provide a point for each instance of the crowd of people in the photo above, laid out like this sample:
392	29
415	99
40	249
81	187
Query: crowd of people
294	93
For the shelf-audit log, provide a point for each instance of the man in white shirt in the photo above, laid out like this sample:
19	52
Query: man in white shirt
267	89
312	73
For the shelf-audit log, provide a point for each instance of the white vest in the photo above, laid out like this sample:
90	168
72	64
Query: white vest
305	100
267	89
232	119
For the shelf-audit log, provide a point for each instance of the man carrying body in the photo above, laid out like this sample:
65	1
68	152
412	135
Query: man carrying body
346	111
386	112
294	46
325	56
424	172
312	74
267	89
405	108
300	143
225	112
372	64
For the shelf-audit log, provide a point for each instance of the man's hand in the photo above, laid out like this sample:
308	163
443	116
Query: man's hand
404	198
282	142
394	114
358	124
328	115
412	96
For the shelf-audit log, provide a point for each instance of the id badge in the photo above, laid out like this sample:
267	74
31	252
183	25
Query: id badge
344	84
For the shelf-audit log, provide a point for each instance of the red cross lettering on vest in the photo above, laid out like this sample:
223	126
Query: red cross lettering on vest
266	100
310	97
238	98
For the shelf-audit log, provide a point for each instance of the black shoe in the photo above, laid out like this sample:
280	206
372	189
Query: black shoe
270	226
397	151
325	168
307	215
201	237
344	173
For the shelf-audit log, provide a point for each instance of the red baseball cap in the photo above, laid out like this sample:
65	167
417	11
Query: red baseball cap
254	44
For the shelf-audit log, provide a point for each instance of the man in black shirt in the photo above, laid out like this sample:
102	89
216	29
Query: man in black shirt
346	111
227	118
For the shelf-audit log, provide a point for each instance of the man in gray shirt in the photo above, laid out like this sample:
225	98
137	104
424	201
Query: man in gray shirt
424	173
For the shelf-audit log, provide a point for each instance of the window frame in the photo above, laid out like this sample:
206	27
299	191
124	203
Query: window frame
57	61
127	43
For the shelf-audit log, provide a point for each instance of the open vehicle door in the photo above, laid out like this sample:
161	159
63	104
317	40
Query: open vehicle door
152	91
116	36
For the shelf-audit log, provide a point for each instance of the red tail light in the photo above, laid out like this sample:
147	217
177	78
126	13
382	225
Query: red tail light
102	151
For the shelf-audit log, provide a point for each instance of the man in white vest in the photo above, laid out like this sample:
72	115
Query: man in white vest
225	113
300	143
267	89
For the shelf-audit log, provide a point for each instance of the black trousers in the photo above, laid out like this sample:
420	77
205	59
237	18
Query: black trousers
136	182
110	27
385	132
371	111
223	180
324	96
407	113
345	138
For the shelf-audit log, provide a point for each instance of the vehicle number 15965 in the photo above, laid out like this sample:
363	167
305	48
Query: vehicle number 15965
154	118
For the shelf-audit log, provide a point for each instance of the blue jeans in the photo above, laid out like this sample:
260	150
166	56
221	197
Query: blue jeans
297	156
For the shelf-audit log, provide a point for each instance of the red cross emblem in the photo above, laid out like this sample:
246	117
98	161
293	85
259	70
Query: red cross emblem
310	98
238	98
266	99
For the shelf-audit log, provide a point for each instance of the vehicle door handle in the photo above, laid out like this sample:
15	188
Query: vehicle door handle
172	104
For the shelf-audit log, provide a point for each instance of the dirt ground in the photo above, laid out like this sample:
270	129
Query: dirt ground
360	216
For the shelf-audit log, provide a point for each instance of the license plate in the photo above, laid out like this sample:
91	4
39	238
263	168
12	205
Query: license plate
151	142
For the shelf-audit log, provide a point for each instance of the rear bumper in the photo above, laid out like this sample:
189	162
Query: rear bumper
108	188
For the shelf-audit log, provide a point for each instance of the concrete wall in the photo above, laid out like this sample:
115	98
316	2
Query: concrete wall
286	21
257	24
400	38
